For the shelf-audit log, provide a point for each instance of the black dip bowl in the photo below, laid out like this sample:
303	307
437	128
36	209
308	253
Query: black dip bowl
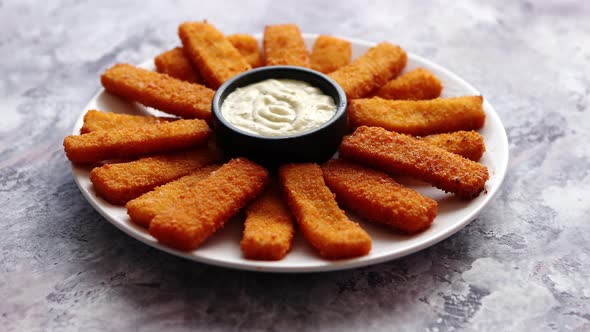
315	145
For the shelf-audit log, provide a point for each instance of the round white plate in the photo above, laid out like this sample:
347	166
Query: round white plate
223	248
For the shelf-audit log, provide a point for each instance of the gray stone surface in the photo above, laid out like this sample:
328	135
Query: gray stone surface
522	265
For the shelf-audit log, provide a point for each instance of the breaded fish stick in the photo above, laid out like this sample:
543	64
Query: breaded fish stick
468	144
268	229
283	45
214	56
133	142
321	221
203	210
159	91
377	197
405	155
330	53
121	182
248	48
144	208
176	64
371	70
418	117
418	84
96	120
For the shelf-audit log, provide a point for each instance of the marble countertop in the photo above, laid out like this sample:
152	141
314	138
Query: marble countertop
523	264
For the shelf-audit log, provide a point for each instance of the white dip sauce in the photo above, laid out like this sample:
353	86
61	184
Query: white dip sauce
278	107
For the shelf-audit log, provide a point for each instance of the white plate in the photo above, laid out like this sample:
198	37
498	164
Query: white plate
223	248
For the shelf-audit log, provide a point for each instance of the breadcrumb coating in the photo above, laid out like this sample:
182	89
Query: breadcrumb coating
418	117
375	196
284	45
95	120
198	213
418	84
405	155
132	142
144	208
330	53
268	229
248	48
323	224
175	63
468	144
216	59
159	91
371	70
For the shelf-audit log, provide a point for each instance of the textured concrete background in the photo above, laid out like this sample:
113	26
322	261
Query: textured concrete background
522	265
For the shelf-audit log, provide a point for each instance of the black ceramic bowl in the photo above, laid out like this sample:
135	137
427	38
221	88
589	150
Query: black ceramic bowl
316	145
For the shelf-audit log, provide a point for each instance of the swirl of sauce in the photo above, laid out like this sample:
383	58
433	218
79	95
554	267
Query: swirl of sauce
278	107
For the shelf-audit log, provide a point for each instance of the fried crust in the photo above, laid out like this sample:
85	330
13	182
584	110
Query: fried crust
133	142
175	63
468	144
216	59
371	70
323	224
330	53
375	196
248	48
121	182
283	45
268	229
159	91
405	155
418	84
144	208
95	120
204	209
418	117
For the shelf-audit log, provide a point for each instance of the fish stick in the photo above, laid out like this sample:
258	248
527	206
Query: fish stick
330	53
248	48
323	224
175	63
377	197
418	117
211	53
405	155
133	142
159	91
95	120
284	45
371	70
418	84
197	214
468	144
144	208
121	182
268	229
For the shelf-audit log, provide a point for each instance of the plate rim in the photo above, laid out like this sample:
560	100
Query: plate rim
501	170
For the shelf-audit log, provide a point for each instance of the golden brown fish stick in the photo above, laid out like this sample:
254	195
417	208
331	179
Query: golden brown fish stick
144	208
96	120
204	209
133	142
330	53
121	182
159	91
321	221
248	48
176	64
405	155
377	197
418	117
371	70
213	55
418	84
468	144
283	45
268	229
